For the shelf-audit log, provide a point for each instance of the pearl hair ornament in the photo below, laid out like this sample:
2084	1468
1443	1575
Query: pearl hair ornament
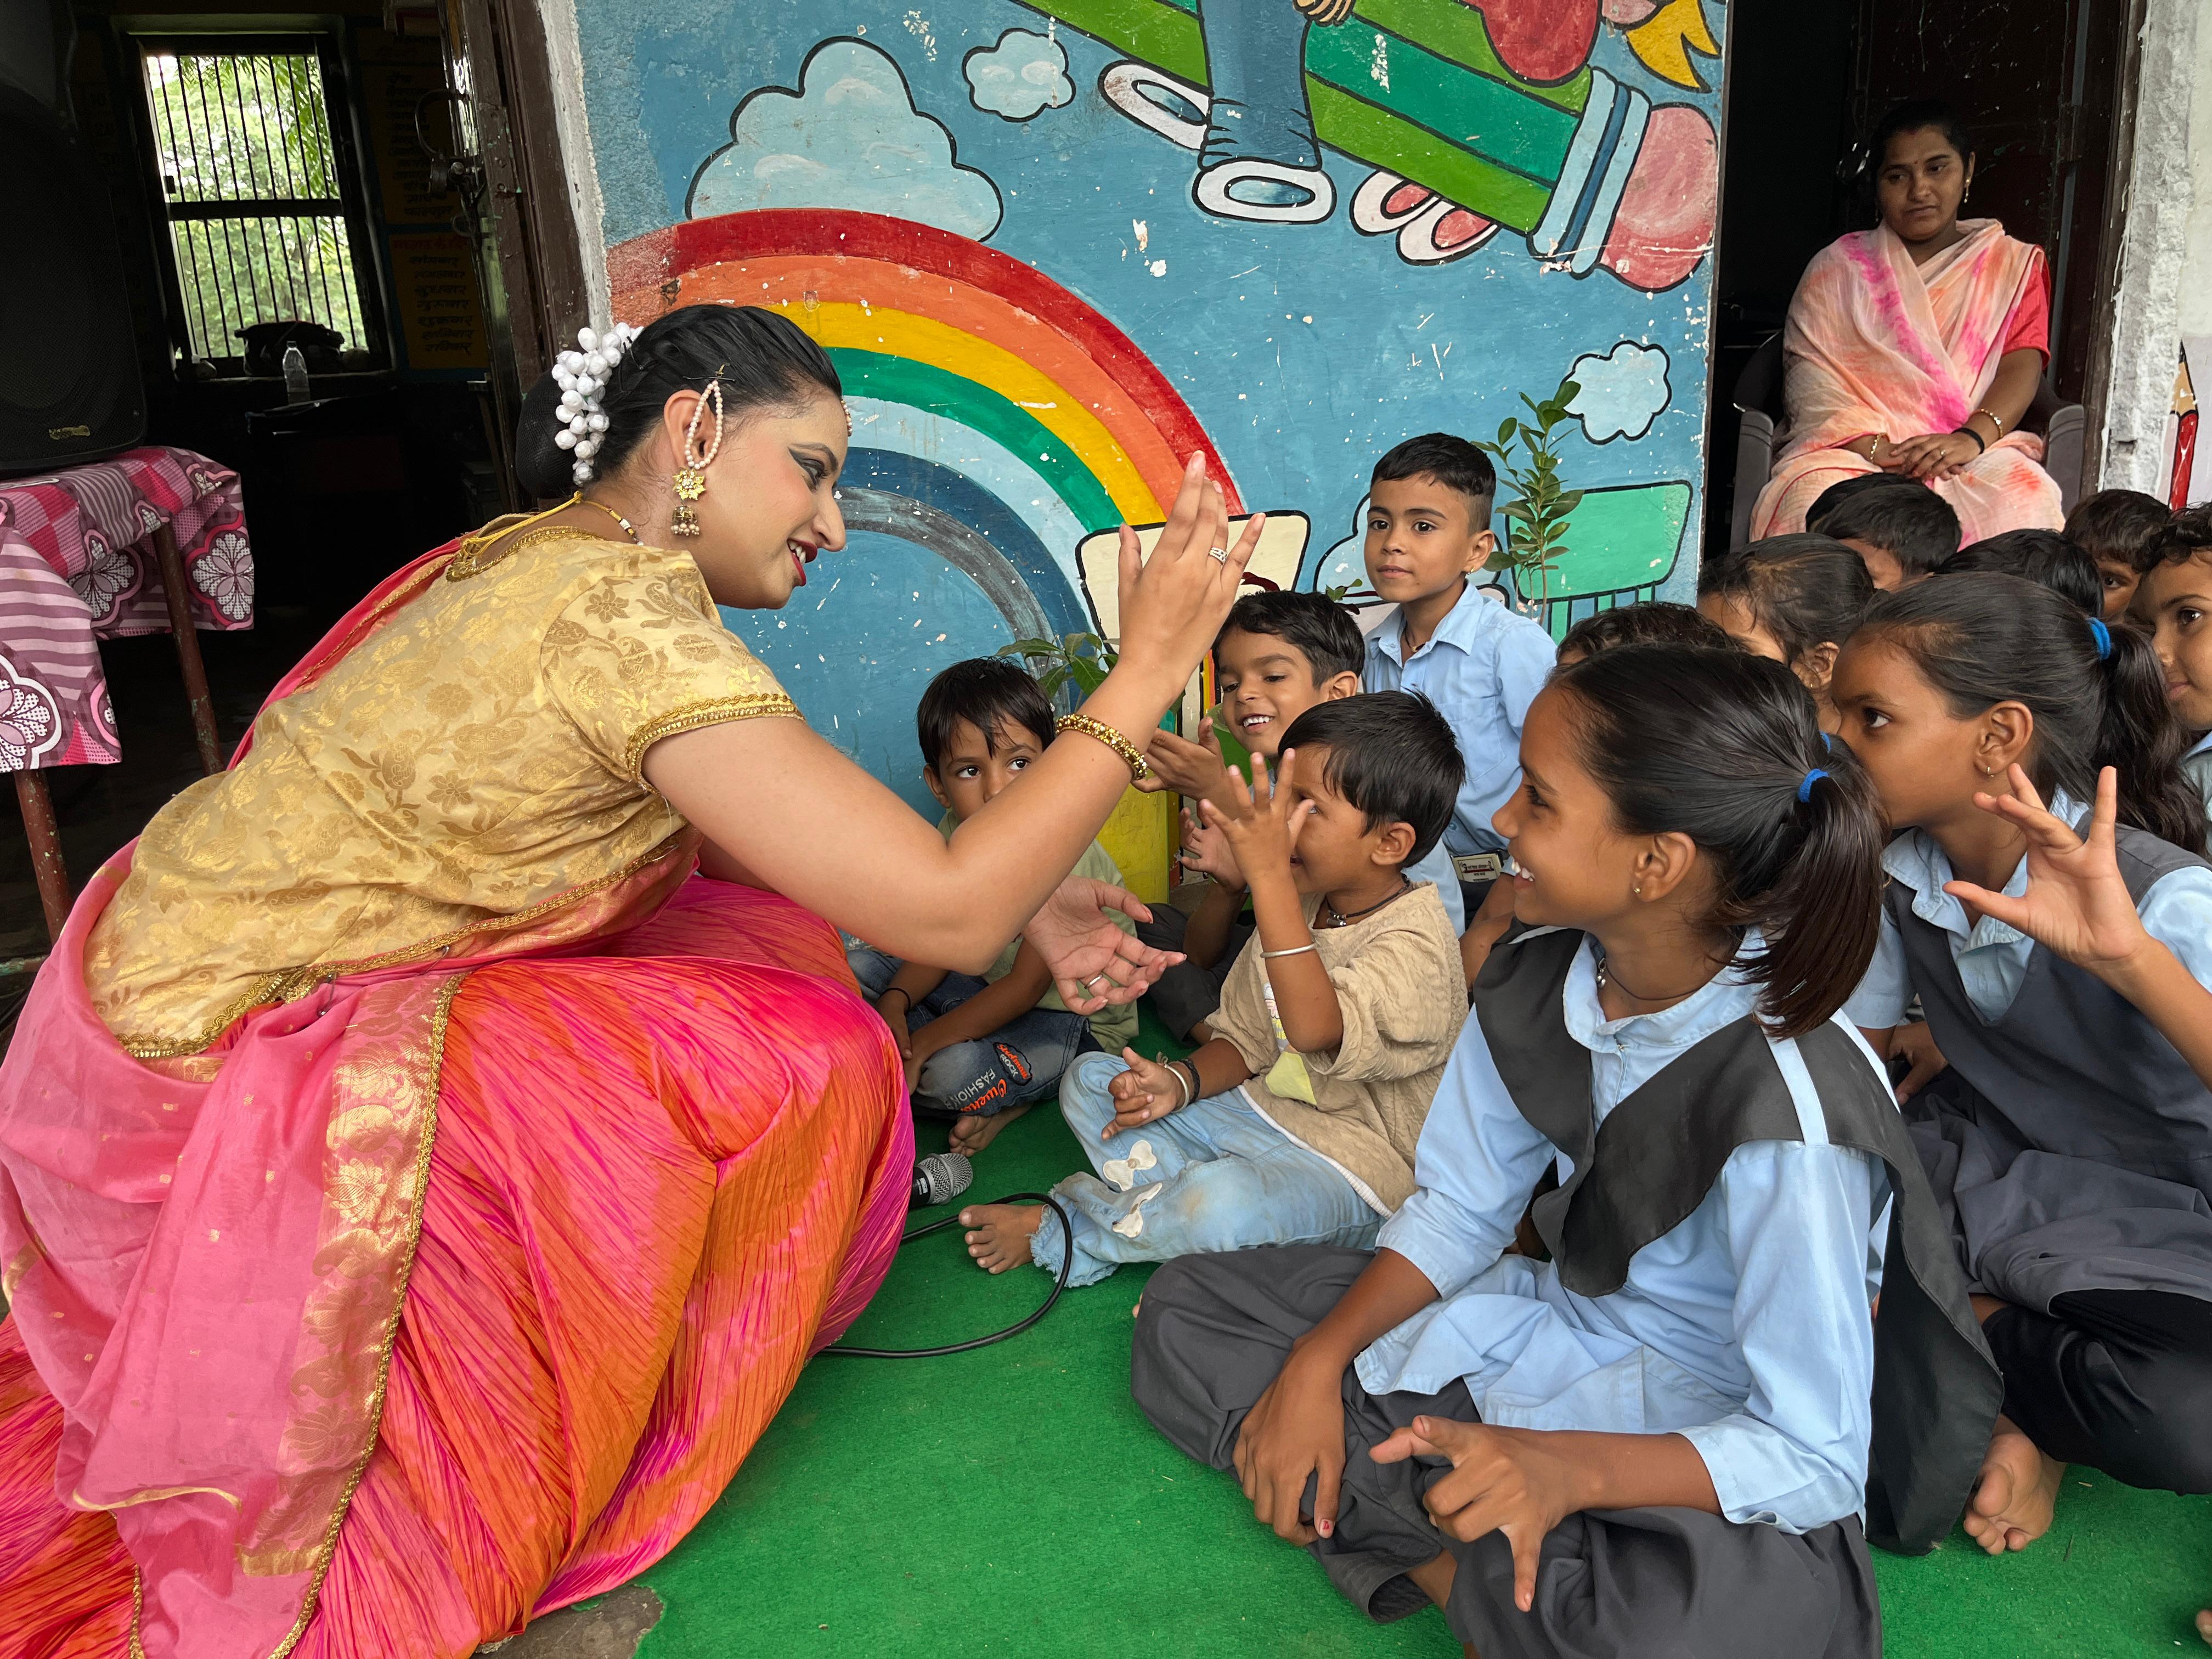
582	375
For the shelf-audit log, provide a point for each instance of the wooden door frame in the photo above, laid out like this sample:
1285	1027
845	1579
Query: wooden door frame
534	241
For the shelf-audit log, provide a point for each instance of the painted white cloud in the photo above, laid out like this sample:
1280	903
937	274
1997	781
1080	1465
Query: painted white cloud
849	137
1622	392
1025	73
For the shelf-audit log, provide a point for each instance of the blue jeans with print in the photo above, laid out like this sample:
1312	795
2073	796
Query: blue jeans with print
1020	1062
1215	1175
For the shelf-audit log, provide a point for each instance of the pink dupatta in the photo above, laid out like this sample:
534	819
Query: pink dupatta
207	1255
1875	343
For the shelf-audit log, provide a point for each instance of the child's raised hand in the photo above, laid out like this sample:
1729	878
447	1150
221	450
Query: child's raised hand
1263	818
1149	1089
1206	851
2076	902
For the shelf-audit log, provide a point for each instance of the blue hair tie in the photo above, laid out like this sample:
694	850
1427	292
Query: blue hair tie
1828	741
2102	635
1805	788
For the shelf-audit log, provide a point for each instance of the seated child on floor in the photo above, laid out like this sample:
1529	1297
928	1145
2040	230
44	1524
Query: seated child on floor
2070	1140
1793	599
1659	1440
982	1051
2042	556
1297	1122
1480	662
1901	534
2175	602
1651	622
2119	529
1277	655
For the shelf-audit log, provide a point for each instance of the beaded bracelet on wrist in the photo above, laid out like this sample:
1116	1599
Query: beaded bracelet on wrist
1139	767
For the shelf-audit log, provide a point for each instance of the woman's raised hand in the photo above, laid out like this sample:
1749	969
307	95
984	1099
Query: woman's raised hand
2076	902
1174	602
1094	961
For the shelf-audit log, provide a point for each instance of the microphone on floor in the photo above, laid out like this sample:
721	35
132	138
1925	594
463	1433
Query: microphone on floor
940	1178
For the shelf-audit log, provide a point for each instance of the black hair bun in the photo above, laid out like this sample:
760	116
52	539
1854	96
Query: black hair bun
543	468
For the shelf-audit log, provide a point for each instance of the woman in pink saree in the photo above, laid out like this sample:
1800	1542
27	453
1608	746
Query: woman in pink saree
434	1146
1915	347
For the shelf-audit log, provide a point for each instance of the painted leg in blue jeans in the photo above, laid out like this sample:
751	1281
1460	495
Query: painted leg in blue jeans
1214	1176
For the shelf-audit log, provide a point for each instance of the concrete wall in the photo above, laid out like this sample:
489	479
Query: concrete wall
1045	277
2166	214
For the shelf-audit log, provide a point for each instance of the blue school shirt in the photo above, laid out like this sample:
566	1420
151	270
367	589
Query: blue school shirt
1747	1329
1992	957
1482	668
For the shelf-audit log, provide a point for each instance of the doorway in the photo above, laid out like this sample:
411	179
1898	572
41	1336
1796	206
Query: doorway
2041	84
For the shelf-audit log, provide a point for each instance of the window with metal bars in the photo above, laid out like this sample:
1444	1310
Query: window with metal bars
258	202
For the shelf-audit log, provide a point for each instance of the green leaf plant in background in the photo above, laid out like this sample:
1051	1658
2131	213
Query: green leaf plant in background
1536	514
1081	660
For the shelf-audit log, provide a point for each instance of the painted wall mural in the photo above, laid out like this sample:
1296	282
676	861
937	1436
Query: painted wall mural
1053	248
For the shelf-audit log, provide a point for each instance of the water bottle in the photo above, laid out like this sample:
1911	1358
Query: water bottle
295	375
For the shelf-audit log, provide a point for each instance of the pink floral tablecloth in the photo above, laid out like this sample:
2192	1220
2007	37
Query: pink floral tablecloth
77	566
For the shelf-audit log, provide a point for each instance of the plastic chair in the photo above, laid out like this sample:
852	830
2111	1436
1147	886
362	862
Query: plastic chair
2064	425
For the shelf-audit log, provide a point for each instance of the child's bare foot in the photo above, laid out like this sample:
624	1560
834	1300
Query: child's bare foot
1001	1234
972	1133
2016	1494
2205	1624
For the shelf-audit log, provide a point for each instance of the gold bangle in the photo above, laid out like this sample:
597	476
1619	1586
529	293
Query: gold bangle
1996	420
1139	767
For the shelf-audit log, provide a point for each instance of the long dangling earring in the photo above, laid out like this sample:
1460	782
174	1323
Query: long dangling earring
690	481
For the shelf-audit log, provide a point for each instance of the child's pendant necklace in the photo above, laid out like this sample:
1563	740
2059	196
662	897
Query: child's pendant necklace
1338	919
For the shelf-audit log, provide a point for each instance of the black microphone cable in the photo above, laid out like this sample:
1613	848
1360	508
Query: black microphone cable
1059	1284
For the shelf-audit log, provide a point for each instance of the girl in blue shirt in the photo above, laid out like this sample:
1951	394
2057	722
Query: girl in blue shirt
1658	1440
2069	1139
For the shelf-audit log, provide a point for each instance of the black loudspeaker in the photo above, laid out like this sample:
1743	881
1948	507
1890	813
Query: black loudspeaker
70	387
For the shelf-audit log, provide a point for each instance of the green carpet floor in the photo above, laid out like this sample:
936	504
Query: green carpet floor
1013	1501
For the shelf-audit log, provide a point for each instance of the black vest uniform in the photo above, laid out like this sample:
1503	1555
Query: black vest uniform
2070	1147
1213	1331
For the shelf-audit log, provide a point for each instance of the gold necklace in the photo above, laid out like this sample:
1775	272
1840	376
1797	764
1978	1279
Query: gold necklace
580	499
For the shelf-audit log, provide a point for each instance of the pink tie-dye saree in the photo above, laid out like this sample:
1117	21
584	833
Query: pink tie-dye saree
1877	344
452	1291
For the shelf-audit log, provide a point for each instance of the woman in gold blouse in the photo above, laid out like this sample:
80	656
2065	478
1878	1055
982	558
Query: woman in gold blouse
434	1148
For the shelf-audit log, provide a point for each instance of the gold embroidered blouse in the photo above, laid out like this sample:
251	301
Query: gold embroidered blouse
475	756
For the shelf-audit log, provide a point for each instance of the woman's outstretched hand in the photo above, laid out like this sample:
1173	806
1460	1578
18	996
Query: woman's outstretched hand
1174	602
2076	902
1094	962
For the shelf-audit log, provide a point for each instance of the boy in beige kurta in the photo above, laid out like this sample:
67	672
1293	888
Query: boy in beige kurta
1297	1123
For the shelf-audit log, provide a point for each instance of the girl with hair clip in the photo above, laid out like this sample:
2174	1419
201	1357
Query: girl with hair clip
1677	1434
1793	599
433	1150
2070	1140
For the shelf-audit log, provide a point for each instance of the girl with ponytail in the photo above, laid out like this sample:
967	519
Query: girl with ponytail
1675	1411
2070	1137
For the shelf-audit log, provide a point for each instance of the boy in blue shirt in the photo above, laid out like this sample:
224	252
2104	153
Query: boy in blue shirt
1481	663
